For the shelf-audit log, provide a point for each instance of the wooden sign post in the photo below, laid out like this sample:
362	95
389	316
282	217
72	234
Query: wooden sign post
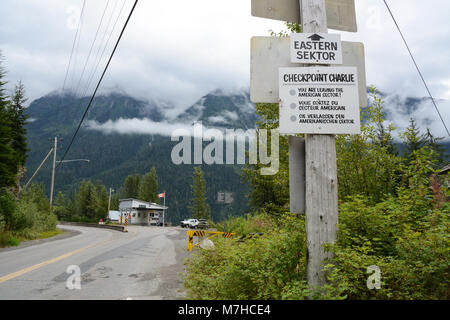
308	94
321	170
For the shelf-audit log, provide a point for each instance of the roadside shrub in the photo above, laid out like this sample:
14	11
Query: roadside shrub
266	267
251	223
7	208
7	240
35	193
24	216
410	244
363	225
405	237
29	222
30	215
420	270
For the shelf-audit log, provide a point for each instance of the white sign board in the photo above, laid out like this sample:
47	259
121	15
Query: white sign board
270	53
319	100
316	48
341	14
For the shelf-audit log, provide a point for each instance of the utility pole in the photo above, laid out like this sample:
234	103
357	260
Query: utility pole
273	73
321	200
53	172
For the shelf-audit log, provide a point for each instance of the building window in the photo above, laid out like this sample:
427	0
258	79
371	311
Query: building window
134	215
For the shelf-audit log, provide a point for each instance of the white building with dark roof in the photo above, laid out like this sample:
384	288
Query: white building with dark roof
141	212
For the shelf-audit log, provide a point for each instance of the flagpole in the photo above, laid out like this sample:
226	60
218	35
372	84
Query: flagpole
164	210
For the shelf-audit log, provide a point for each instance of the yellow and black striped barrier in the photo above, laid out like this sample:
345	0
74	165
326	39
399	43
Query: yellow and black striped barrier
200	233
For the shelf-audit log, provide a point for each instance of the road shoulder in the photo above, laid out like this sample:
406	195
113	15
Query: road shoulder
67	233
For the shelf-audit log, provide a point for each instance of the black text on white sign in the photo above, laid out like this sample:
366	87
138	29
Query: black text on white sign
319	100
316	48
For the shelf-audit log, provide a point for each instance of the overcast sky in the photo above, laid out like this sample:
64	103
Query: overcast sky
180	50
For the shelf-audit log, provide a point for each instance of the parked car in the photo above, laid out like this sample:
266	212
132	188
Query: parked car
184	223
189	223
193	223
202	224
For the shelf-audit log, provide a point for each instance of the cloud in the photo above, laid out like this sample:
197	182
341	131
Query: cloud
217	119
224	117
149	127
178	51
400	109
136	126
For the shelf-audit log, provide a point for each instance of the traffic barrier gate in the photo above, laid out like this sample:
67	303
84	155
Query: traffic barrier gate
200	233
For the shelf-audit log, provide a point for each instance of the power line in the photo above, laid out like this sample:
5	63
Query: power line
77	46
417	67
99	56
92	46
73	45
99	82
100	46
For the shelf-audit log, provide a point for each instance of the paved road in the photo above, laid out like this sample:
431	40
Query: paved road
144	263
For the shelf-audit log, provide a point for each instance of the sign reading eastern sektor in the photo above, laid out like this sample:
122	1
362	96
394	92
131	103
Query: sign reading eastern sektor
319	100
322	48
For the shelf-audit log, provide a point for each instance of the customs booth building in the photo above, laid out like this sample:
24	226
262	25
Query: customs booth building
140	212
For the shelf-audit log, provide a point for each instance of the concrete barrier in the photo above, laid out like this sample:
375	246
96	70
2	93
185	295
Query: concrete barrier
95	225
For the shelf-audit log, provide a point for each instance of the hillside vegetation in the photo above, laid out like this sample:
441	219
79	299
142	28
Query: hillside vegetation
24	214
393	214
114	156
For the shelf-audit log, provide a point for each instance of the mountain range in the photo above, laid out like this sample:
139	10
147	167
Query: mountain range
124	136
109	139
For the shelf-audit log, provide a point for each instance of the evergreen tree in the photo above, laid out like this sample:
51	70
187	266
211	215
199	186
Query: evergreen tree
199	208
18	118
413	139
8	166
384	138
148	187
131	186
60	207
115	201
71	206
375	113
87	200
269	192
439	150
102	200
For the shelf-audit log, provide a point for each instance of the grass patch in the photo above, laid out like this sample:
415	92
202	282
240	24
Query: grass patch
27	236
7	240
49	234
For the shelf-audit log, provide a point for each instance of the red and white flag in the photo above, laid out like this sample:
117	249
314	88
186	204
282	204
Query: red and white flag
162	195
